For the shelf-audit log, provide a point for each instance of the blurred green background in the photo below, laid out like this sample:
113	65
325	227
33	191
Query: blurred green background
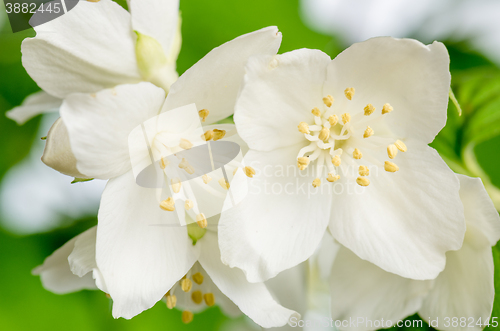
470	143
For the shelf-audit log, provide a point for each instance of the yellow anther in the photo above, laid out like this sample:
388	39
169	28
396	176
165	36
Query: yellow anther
336	160
317	182
332	178
176	184
349	92
324	134
363	181
392	151
187	317
224	184
171	301
185	144
328	100
316	112
188	204
368	132
163	163
303	162
209	299
184	164
219	134
333	119
304	128
206	178
108	296
391	167
249	171
357	154
369	109
363	170
201	220
208	135
203	114
189	170
401	146
387	108
168	204
346	118
198	278
197	297
186	284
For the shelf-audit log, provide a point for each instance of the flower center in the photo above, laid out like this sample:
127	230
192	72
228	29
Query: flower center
339	140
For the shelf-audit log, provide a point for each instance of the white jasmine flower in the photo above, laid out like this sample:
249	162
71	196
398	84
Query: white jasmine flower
141	249
366	118
464	289
37	103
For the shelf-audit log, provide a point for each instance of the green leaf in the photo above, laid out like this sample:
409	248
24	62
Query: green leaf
81	180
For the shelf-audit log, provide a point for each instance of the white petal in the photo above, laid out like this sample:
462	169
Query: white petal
465	288
82	258
253	299
403	222
142	251
58	154
289	288
281	221
213	82
35	104
361	289
86	50
280	92
479	209
99	125
55	272
412	77
158	19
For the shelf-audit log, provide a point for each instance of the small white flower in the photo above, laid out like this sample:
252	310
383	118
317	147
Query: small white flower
343	144
464	289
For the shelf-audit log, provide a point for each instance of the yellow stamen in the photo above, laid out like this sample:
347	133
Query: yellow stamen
401	146
303	162
346	118
316	112
223	182
336	160
209	299
349	92
357	154
185	144
186	284
249	171
201	220
391	167
219	134
316	182
188	204
189	170
369	109
333	119
331	178
171	301
197	297
168	204
206	178
187	317
363	181
208	135
163	163
392	151
198	278
203	114
363	170
304	128
328	100
368	132
324	134
176	184
387	109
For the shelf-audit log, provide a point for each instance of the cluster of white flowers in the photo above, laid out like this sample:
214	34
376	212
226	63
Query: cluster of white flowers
339	174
